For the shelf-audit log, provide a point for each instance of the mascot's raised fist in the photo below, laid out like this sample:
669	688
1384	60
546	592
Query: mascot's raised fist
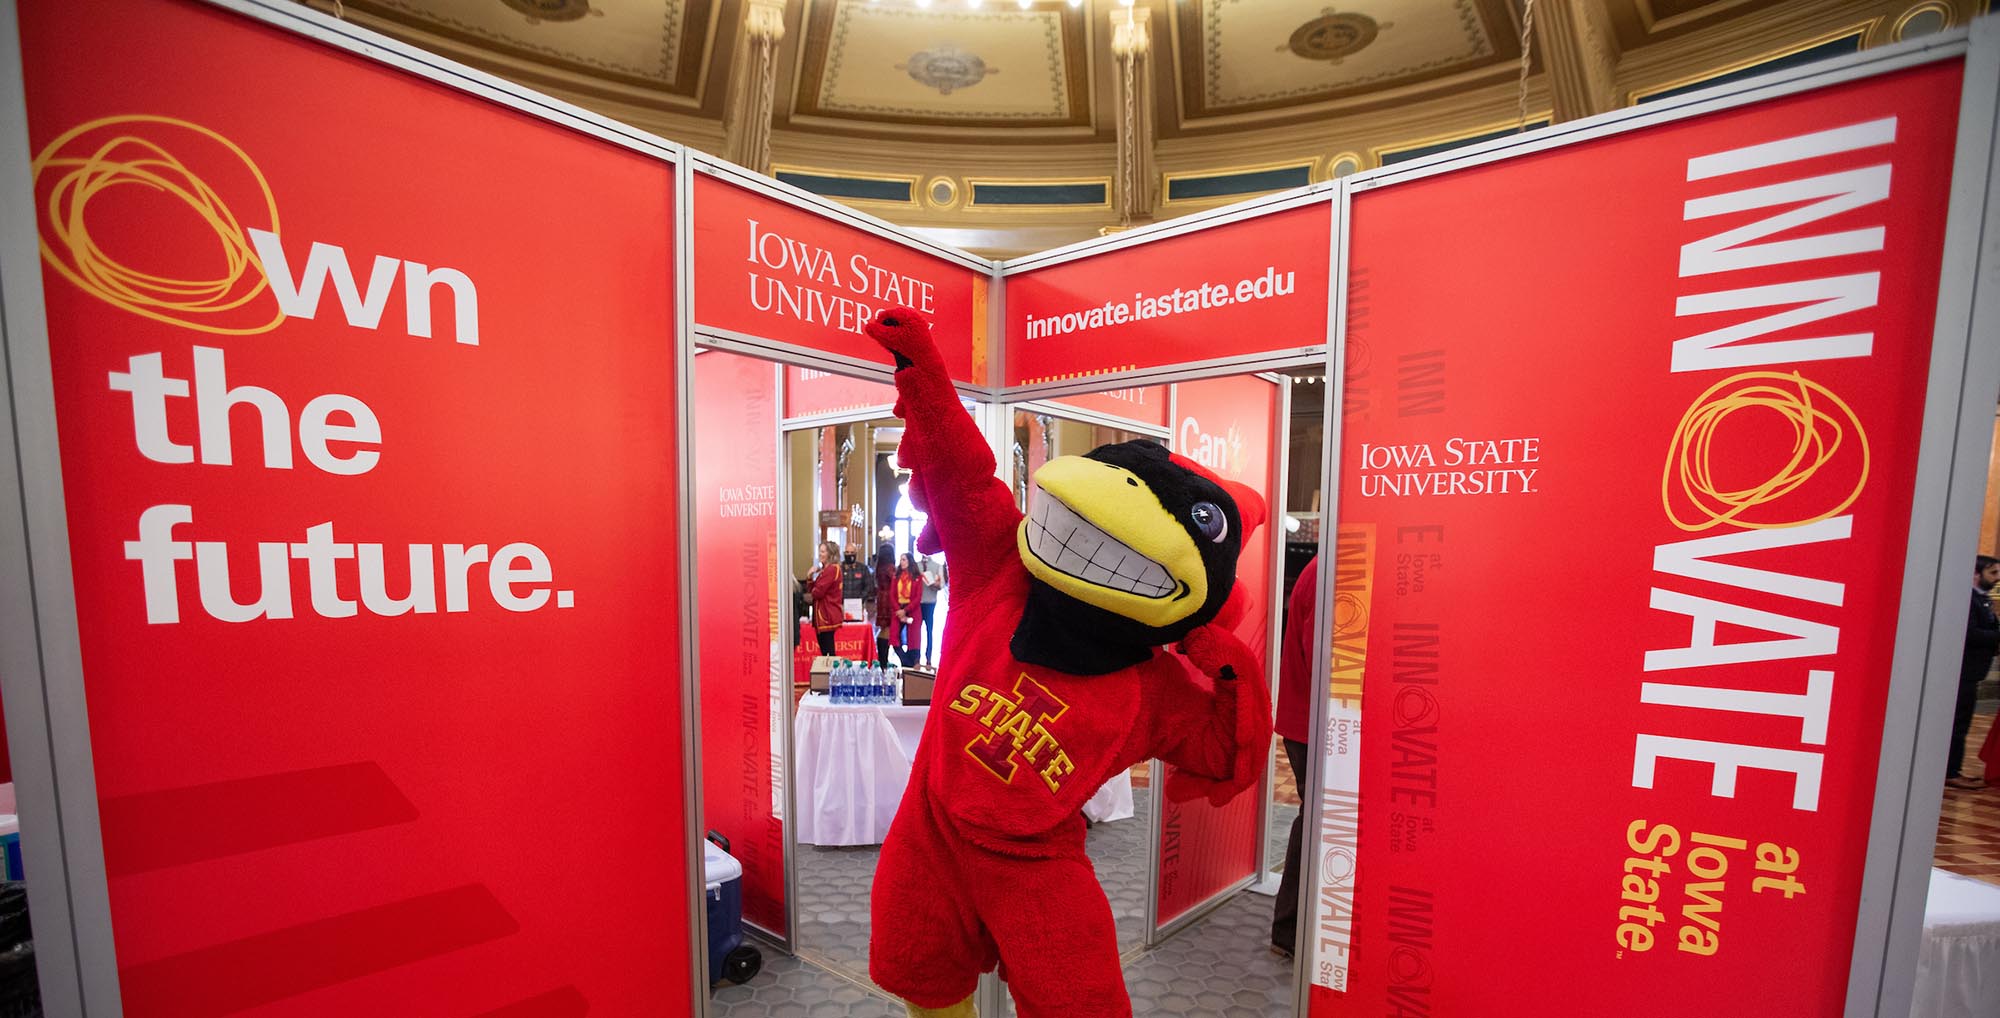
905	334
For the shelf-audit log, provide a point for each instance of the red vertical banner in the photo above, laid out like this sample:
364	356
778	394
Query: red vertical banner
1230	426
372	522
1625	533
742	598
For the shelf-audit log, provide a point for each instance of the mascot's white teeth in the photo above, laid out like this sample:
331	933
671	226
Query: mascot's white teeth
1071	544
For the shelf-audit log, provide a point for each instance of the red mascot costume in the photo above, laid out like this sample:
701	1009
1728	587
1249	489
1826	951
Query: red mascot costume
1054	680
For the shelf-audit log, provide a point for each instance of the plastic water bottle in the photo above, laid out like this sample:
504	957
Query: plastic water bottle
836	684
875	684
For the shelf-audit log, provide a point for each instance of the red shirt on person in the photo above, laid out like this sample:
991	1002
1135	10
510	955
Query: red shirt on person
1295	658
826	598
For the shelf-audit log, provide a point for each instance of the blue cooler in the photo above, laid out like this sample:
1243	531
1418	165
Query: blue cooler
728	956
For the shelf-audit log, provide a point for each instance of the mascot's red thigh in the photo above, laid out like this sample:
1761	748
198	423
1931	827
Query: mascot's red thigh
941	903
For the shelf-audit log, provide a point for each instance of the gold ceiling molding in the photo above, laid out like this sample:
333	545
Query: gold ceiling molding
1945	17
675	85
838	174
1248	56
1378	153
1638	22
1862	30
946	66
973	206
1311	164
656	44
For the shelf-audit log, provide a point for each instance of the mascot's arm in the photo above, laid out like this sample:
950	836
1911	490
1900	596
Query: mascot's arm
971	510
1222	738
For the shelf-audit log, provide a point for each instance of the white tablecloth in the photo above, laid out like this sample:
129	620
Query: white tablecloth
1958	968
852	763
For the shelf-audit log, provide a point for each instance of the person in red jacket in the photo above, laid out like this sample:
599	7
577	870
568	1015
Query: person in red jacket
827	614
887	610
1295	689
908	592
1055	678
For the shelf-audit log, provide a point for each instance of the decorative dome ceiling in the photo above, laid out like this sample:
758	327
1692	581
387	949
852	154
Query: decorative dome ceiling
997	121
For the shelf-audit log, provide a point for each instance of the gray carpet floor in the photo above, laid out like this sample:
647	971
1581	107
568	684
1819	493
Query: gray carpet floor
1220	966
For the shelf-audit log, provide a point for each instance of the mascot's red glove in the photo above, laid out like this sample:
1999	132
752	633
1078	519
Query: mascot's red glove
1218	654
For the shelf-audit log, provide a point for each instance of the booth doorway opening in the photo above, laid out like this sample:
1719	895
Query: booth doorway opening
808	538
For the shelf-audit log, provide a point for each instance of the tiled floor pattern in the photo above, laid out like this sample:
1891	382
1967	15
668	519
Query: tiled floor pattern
792	987
1968	839
1216	967
1219	966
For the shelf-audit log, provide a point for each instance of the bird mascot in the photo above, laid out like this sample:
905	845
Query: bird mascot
1055	678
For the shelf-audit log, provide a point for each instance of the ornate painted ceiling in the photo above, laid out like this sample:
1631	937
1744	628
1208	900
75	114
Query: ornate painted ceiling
945	94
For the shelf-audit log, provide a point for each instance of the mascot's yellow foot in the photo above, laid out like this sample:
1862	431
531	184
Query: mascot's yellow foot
962	1009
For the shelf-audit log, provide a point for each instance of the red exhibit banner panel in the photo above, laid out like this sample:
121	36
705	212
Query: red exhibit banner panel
810	392
372	523
1256	286
1623	528
736	537
1228	425
779	271
1141	404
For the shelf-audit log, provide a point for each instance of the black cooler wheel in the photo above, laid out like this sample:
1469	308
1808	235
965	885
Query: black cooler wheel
742	965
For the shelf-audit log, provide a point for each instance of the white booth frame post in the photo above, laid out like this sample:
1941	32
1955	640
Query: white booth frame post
684	448
41	672
1963	382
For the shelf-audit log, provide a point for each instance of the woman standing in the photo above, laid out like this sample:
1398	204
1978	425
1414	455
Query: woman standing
909	595
826	613
886	607
931	571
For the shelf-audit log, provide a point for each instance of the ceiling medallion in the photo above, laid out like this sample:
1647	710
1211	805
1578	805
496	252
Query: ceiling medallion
539	11
947	67
1332	35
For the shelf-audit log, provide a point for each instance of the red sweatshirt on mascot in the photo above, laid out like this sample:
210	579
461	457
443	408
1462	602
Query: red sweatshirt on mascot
1054	680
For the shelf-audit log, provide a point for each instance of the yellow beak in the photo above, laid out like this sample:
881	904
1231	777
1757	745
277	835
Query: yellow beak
1097	533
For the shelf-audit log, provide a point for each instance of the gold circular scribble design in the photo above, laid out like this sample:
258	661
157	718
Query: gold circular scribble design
1822	424
92	158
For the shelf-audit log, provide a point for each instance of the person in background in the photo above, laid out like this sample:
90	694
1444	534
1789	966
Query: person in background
932	572
1982	636
826	587
857	580
1295	689
908	597
886	608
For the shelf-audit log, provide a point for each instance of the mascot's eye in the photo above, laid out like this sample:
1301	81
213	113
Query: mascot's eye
1209	521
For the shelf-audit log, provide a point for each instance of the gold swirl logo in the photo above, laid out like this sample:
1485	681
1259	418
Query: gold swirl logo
104	156
1350	614
1827	441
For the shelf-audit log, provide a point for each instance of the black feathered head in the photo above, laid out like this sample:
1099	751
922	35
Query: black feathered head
1144	538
